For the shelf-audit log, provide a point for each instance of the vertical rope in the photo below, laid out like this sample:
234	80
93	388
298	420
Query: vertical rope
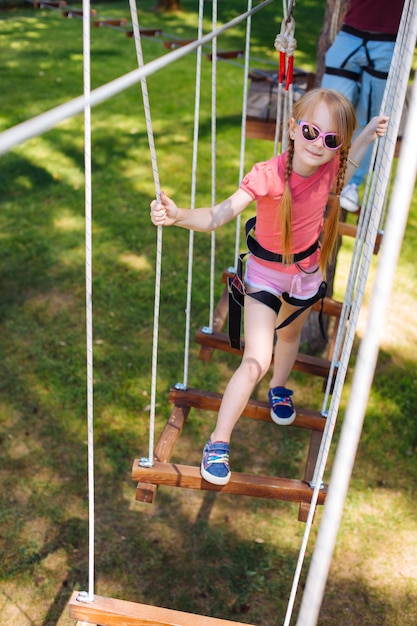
88	292
243	124
193	196
213	158
285	44
364	246
155	336
362	381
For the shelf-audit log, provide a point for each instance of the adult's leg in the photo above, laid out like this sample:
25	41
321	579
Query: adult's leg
344	54
259	325
371	95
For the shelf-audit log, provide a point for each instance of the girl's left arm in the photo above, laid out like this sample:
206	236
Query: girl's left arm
377	127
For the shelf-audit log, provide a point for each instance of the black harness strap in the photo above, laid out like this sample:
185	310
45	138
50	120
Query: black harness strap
366	36
237	291
267	255
340	71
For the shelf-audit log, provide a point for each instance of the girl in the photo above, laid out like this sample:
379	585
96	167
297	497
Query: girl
291	192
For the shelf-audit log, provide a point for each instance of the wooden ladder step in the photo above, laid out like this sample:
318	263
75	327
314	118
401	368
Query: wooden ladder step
110	22
177	43
70	12
146	32
114	612
255	409
188	477
303	363
227	54
164	448
350	230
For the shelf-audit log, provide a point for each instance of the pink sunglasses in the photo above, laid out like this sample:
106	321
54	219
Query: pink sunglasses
310	132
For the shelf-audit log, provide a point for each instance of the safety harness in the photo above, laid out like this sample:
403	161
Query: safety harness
237	289
370	68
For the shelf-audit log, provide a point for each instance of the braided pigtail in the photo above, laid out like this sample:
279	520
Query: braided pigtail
333	216
286	207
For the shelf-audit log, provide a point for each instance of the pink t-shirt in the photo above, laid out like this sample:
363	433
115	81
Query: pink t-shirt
265	184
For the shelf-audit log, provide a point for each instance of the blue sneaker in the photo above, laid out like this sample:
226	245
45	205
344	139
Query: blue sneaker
215	465
282	408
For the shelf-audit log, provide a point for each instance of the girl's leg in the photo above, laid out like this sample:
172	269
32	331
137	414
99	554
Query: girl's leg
259	324
286	349
282	408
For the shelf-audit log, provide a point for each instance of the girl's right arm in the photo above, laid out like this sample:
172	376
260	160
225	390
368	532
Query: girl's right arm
166	212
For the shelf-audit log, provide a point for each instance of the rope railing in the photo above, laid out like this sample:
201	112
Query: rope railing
377	185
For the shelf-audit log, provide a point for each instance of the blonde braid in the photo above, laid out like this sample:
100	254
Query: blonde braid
286	206
332	222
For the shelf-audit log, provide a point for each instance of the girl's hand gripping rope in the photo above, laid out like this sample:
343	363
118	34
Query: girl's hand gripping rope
377	127
165	212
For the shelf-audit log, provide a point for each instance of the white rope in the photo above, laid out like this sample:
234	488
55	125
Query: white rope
285	44
184	384
88	297
158	263
243	125
364	246
362	381
213	162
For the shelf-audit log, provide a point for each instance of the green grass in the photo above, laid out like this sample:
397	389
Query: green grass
222	556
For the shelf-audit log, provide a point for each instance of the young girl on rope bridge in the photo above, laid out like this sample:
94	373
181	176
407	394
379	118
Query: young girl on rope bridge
291	192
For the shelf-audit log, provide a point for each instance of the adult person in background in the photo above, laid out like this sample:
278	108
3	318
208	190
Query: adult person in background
357	65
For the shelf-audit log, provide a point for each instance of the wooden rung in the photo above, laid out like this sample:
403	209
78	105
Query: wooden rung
303	363
219	318
258	129
77	13
255	409
178	43
113	612
146	32
145	492
351	229
50	4
188	477
227	54
164	448
118	22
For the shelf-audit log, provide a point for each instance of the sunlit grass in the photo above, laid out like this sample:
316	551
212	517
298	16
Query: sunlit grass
225	556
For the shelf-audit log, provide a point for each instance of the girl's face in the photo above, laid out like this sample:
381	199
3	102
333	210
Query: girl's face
309	155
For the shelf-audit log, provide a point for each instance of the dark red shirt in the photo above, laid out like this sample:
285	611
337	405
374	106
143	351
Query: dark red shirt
375	16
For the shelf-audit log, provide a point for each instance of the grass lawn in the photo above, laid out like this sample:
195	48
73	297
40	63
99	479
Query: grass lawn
222	556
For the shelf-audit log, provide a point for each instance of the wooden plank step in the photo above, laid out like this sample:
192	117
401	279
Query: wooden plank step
188	477
260	129
177	43
50	4
303	363
146	32
70	12
164	448
227	54
113	612
255	409
351	229
110	22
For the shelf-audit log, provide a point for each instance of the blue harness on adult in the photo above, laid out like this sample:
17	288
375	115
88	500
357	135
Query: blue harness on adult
370	68
237	290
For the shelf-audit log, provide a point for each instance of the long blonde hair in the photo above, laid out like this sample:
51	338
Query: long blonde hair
343	119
